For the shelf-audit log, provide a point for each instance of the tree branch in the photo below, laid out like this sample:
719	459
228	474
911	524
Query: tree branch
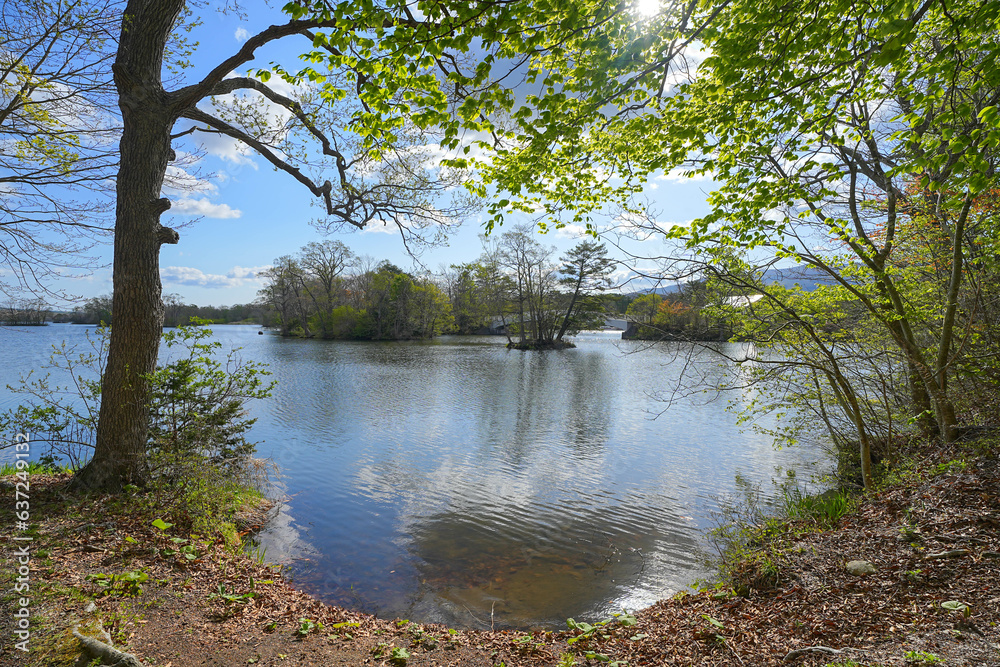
189	96
323	191
241	83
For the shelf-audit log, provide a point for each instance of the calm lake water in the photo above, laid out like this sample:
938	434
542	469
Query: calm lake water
456	481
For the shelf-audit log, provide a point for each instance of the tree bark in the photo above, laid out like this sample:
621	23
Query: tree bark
921	402
137	310
569	310
947	418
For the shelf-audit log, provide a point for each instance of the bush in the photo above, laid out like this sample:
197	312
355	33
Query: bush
348	322
198	498
62	416
197	404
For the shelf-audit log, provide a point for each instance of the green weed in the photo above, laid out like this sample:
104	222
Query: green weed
256	551
955	605
526	645
824	510
398	656
231	598
712	630
126	584
567	660
343	627
954	466
48	465
598	630
307	625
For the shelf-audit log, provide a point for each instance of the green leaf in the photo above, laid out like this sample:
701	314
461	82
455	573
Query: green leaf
714	622
955	605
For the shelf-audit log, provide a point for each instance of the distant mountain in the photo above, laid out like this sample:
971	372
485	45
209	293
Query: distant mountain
808	278
669	289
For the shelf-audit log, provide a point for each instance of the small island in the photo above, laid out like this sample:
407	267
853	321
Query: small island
513	289
25	313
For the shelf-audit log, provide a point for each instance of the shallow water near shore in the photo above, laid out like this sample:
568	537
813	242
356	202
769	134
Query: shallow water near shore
456	481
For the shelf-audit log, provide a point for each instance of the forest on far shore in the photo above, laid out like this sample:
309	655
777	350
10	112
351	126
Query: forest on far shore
515	288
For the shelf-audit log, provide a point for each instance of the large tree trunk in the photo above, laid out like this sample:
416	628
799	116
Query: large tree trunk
137	311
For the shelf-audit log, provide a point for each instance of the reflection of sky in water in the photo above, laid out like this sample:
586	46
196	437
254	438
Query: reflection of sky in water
453	480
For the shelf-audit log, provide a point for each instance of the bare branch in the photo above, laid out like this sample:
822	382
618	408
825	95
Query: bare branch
296	173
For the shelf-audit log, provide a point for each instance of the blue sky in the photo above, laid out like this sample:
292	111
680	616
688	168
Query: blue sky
250	214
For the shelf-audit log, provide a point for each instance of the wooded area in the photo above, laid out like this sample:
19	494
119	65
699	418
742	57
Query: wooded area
514	289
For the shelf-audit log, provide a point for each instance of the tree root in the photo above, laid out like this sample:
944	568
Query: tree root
103	650
799	652
954	553
106	653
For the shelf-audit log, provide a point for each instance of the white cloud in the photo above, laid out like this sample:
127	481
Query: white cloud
248	272
776	215
265	113
572	231
432	154
74	109
681	175
179	181
192	277
376	227
242	34
203	208
227	148
624	274
282	87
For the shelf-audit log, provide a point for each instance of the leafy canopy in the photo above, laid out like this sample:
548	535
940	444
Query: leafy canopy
529	83
567	95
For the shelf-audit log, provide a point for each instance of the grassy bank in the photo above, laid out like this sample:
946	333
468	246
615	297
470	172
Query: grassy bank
186	593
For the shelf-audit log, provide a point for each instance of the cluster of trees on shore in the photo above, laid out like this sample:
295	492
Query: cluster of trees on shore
685	314
328	292
24	312
514	288
97	310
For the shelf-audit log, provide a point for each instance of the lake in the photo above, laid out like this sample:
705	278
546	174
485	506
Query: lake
456	481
